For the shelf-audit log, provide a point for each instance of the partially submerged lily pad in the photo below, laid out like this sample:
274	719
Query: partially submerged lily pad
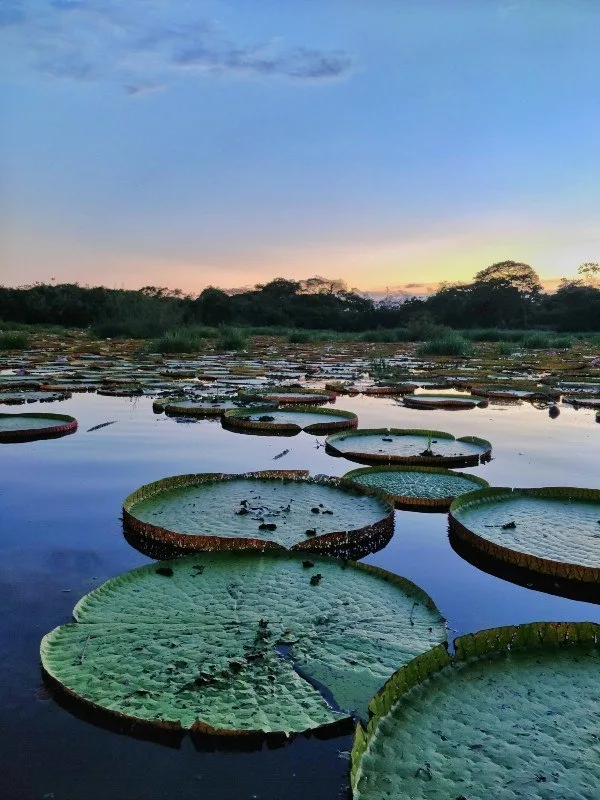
199	408
276	509
422	488
29	427
551	530
409	446
514	714
241	643
290	420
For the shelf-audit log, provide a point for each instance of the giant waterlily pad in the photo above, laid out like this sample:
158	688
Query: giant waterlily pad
452	401
28	427
290	395
289	421
408	446
551	530
277	509
239	643
199	408
422	488
515	715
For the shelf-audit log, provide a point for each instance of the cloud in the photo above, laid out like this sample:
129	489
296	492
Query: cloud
145	45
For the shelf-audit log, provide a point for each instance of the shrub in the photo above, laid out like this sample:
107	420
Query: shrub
14	340
505	349
450	343
299	337
181	340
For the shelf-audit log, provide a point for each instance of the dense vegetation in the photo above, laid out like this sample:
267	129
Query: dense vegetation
504	296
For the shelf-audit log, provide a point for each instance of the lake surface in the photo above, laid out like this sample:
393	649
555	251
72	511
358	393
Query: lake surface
61	536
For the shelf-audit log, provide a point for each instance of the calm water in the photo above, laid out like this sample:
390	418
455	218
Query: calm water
60	536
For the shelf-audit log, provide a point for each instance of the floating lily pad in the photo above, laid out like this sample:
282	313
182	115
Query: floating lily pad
241	643
28	427
514	393
515	714
583	401
555	531
443	401
408	446
292	396
423	488
19	398
289	421
199	408
277	509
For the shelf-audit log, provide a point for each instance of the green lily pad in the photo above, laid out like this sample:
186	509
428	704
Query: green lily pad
418	487
515	715
199	408
443	401
551	530
236	643
289	420
408	446
28	427
257	510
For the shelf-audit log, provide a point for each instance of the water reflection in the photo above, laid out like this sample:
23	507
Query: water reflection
61	536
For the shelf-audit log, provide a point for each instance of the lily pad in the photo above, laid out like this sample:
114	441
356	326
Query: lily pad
241	643
515	714
427	401
422	488
409	446
555	531
28	427
277	509
289	421
199	408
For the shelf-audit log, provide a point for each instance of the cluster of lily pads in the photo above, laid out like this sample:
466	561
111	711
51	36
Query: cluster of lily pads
259	624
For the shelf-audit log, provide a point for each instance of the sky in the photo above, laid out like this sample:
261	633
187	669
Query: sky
391	143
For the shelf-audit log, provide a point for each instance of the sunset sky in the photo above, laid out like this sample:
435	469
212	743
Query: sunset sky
386	142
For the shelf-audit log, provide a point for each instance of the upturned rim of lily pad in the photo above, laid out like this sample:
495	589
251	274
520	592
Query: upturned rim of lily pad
339	543
417	503
65	425
482	645
237	419
416	460
579	573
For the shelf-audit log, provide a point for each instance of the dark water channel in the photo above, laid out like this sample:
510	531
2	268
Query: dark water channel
60	536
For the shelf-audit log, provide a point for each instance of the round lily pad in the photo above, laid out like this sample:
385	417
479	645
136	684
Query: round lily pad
274	510
555	531
584	402
452	401
408	446
292	396
422	488
28	427
513	393
235	643
514	714
199	408
289	420
19	398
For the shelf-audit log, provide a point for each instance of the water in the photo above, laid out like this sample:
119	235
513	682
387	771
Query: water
60	536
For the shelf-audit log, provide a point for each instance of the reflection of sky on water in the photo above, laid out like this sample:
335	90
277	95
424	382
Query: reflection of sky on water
60	536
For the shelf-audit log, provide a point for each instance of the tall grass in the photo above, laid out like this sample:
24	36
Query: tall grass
450	343
231	339
181	340
14	340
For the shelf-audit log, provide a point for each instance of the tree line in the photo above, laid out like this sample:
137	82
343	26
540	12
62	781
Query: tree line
504	295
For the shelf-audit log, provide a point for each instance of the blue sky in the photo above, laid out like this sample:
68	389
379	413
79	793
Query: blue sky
387	142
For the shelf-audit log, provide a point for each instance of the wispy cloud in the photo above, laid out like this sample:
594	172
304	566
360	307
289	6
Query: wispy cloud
145	45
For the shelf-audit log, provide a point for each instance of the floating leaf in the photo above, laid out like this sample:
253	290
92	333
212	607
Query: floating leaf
241	642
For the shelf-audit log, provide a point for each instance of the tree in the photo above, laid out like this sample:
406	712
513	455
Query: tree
213	306
512	273
589	271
